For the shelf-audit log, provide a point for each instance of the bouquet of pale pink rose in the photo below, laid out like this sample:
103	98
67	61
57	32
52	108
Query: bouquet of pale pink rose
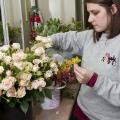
25	75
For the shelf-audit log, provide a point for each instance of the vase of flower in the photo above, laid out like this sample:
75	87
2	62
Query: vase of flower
54	102
15	113
23	78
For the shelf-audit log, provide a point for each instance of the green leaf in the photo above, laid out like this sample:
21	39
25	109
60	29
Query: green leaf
12	103
15	70
24	106
48	93
40	96
49	83
30	57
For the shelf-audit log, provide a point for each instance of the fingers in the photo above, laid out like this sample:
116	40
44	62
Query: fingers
83	75
79	80
78	71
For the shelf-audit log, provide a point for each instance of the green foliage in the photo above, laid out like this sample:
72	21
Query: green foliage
38	95
55	25
13	32
24	106
1	32
48	93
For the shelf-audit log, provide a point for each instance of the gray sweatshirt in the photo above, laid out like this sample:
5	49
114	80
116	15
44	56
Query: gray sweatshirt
102	101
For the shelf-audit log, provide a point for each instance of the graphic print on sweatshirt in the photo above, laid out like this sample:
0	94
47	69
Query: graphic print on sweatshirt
109	59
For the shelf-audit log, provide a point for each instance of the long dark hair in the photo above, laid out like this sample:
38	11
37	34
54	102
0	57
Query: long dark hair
114	27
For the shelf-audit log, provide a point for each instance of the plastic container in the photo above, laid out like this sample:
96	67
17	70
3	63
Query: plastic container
53	103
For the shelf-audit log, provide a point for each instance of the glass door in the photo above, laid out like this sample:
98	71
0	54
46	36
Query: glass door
15	22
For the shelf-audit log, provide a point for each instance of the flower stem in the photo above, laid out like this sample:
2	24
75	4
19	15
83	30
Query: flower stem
5	99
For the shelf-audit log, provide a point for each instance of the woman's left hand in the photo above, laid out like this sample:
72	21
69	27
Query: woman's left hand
82	75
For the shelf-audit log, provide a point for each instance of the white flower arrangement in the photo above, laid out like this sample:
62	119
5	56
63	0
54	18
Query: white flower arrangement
25	75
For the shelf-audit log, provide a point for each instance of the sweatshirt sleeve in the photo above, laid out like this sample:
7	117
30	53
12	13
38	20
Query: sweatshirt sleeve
108	89
71	41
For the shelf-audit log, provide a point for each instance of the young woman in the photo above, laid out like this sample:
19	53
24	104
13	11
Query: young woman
99	74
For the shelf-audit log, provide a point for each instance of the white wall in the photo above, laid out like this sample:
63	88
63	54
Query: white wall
68	10
55	8
13	11
44	8
62	9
